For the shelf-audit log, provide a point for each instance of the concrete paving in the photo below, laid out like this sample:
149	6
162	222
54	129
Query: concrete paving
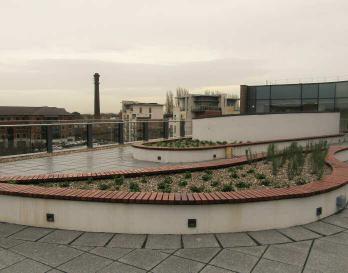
319	247
93	161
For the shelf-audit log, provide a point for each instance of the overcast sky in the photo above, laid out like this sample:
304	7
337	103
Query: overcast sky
50	49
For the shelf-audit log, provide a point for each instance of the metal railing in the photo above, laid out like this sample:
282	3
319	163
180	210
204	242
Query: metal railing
24	137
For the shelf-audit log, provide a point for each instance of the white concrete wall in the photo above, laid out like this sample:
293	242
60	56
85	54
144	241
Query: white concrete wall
265	127
166	219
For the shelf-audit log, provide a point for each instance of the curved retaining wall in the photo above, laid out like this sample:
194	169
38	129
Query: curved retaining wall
199	154
107	211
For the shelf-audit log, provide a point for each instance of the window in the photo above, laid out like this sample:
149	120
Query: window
326	105
140	109
150	110
342	89
286	106
263	92
310	91
262	106
291	91
309	105
326	90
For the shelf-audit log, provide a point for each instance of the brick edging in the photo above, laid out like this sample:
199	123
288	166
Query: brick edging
337	179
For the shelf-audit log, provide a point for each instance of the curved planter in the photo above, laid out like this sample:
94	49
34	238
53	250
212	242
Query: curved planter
151	213
199	154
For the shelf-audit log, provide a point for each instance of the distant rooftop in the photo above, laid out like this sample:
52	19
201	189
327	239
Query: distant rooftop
141	103
32	111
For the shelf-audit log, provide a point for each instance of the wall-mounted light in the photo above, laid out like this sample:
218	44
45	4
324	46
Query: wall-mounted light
192	223
319	211
50	217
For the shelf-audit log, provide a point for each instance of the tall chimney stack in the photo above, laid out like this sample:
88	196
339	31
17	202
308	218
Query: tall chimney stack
96	96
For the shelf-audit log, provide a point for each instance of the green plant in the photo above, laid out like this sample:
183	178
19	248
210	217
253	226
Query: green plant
252	170
89	180
260	176
271	152
197	189
210	172
239	167
266	182
188	175
215	183
251	157
183	183
207	177
168	180
64	184
12	182
134	186
143	180
103	186
243	185
165	185
234	175
317	158
301	181
227	187
119	180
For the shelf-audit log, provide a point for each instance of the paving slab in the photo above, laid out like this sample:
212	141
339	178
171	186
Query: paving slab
7	229
8	258
93	239
9	242
117	267
268	237
203	255
31	233
292	253
340	238
61	236
337	221
199	240
256	251
235	239
267	266
55	271
214	269
299	233
127	241
111	252
176	264
328	257
163	242
234	261
323	228
144	258
86	263
83	248
26	266
50	254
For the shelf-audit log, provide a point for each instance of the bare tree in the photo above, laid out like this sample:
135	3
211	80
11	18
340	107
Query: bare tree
169	102
180	92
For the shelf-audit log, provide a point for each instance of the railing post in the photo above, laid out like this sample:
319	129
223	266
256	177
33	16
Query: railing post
49	139
145	131
10	138
166	129
182	128
120	136
89	135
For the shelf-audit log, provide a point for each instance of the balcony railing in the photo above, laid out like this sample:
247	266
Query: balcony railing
24	137
202	108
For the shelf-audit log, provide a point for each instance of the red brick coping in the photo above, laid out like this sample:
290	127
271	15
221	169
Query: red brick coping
149	147
337	179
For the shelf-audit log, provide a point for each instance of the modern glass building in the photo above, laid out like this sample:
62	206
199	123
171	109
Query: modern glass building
286	98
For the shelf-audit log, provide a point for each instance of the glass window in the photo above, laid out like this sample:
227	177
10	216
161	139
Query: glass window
342	104
309	91
326	105
262	106
286	106
310	105
342	89
263	92
326	90
290	91
251	92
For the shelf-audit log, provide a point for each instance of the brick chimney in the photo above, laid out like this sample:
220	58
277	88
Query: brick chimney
96	96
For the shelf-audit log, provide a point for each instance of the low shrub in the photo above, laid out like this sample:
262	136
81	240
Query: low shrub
103	186
207	177
119	180
89	180
168	180
260	176
64	184
188	175
134	186
240	167
210	172
252	170
215	183
197	189
266	182
243	185
143	180
183	183
301	181
227	187
234	175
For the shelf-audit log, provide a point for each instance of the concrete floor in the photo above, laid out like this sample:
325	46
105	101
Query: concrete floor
319	247
98	160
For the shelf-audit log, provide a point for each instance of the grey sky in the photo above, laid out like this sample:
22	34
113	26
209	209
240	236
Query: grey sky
49	49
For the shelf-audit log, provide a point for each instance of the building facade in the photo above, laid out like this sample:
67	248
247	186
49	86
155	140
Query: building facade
307	97
134	112
191	106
